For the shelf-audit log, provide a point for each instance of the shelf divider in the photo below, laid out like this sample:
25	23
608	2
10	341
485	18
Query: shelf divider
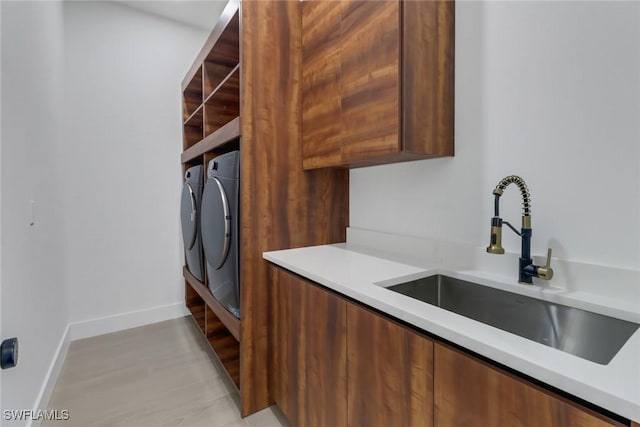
223	82
231	322
197	111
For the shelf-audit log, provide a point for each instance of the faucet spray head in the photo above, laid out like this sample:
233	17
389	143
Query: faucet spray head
495	244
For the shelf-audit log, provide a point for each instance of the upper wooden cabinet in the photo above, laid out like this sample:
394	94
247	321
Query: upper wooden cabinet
377	81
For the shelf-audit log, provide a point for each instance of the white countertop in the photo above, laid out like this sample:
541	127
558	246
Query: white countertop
363	275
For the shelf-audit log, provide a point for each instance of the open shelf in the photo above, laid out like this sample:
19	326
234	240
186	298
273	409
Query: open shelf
225	346
223	105
231	322
193	128
192	95
195	161
223	57
223	139
196	306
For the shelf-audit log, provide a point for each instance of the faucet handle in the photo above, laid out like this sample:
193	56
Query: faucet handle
546	272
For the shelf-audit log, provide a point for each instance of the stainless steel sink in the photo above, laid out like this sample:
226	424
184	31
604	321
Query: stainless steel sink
588	335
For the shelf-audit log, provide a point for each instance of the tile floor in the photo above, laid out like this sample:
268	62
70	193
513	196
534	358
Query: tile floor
157	375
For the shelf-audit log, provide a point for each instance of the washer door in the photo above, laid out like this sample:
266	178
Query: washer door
215	222
188	215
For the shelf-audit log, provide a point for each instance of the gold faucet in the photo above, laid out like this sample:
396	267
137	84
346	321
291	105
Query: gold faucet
527	270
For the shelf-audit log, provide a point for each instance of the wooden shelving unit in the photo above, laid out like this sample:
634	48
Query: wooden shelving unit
211	90
211	124
192	96
223	105
231	323
195	304
243	93
215	141
221	60
225	345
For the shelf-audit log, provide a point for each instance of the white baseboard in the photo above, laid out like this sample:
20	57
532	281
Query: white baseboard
120	322
92	327
50	379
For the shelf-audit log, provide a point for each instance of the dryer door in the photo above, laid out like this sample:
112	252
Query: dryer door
215	223
188	216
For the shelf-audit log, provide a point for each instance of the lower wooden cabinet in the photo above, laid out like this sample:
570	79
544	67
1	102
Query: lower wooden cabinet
334	363
308	352
389	372
317	337
469	392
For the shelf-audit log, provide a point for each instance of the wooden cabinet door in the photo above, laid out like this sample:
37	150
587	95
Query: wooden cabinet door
321	84
370	64
390	373
325	358
308	352
350	81
377	81
286	349
471	393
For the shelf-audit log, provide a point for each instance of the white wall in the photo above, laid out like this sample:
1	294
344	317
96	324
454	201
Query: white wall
1	406
91	131
34	291
123	143
549	91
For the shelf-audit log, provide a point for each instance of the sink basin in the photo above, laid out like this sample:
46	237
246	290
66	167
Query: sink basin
582	333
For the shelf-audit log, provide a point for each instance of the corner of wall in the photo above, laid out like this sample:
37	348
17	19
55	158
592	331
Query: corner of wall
51	377
119	322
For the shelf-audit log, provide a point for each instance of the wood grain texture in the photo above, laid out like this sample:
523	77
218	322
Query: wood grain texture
286	340
192	95
193	129
196	306
229	320
428	34
226	17
321	84
370	61
325	357
469	392
378	81
308	356
223	57
224	344
216	141
223	105
390	372
282	205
